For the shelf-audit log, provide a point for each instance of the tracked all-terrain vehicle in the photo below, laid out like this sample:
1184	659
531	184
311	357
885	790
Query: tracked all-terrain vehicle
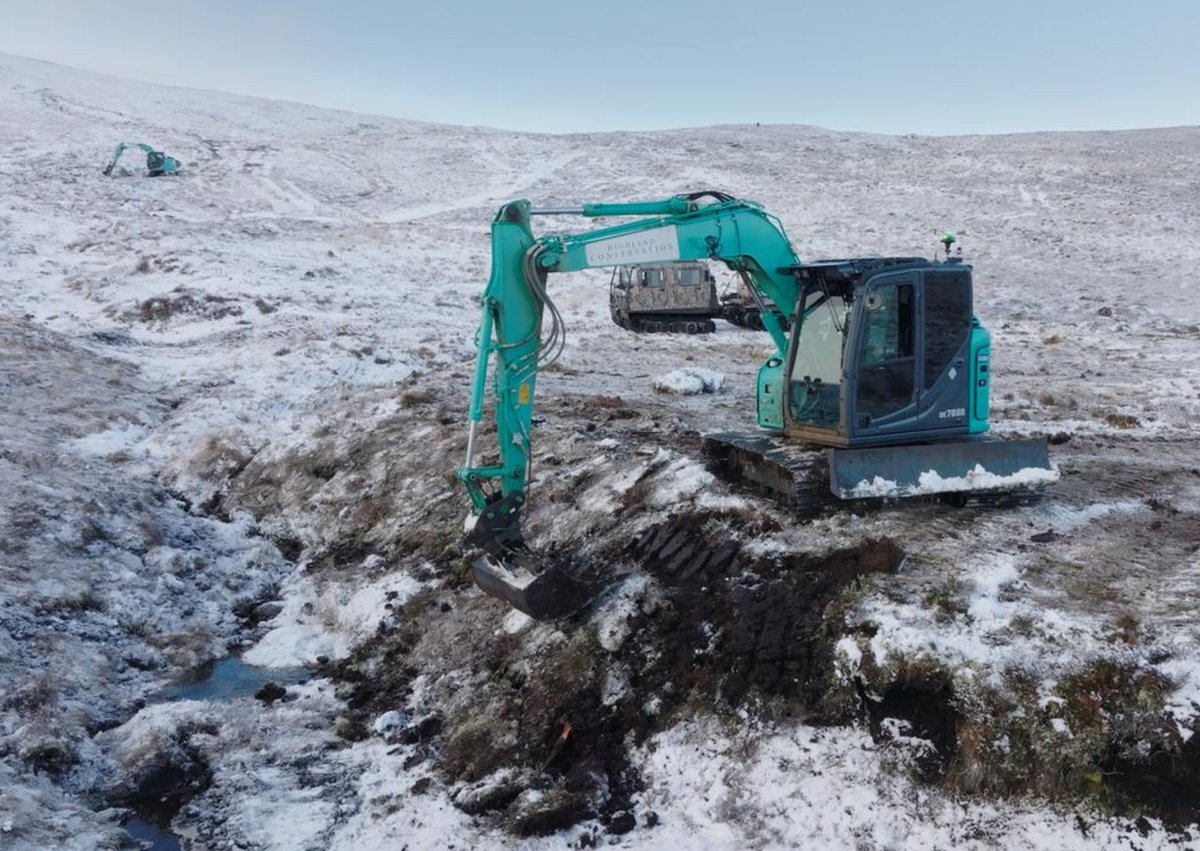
682	298
677	298
879	391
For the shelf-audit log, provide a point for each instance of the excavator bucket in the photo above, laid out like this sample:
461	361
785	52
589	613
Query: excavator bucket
543	587
551	594
984	467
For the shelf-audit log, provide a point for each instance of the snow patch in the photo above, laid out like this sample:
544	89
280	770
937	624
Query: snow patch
976	479
614	617
327	622
691	381
682	480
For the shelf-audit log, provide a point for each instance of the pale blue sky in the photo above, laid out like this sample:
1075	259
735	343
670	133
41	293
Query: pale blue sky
894	67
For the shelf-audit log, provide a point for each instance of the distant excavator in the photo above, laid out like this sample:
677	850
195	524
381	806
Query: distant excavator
157	163
879	389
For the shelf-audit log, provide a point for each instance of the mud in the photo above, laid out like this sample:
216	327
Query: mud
716	630
162	792
1163	783
734	627
927	709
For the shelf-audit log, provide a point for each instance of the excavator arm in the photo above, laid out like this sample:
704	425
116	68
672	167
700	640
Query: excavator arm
516	306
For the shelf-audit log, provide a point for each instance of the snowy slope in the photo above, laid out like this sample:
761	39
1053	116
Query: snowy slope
310	267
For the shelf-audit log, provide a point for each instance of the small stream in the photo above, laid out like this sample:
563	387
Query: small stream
218	680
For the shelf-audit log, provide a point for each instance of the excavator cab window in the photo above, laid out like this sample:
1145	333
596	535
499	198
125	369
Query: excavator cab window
947	319
814	394
691	277
887	368
889	325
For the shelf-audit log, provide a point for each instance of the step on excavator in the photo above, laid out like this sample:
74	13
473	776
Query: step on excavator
878	391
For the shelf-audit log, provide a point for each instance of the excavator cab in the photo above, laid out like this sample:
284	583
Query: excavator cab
888	352
881	350
155	163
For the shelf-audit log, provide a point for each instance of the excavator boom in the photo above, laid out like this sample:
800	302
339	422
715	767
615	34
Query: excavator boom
511	337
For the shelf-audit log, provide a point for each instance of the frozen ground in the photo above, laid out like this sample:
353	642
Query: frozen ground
247	384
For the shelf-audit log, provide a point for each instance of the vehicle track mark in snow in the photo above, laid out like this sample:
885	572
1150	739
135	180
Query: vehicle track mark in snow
511	184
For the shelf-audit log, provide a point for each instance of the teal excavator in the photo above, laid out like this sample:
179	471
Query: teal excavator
879	390
157	163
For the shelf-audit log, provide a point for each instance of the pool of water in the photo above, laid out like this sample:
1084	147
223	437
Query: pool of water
156	838
218	680
230	678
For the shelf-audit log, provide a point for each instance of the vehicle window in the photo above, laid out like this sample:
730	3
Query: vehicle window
947	320
816	381
889	331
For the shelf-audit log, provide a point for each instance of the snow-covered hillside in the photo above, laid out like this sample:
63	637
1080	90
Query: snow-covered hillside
231	398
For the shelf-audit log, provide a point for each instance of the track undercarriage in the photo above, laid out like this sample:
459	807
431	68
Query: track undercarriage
656	323
809	479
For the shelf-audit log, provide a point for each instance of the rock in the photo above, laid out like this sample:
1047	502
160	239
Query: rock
650	819
266	611
1044	537
421	786
270	693
428	726
1104	311
322	660
492	793
542	814
389	724
621	823
346	729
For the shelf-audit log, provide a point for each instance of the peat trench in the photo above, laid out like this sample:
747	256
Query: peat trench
725	631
